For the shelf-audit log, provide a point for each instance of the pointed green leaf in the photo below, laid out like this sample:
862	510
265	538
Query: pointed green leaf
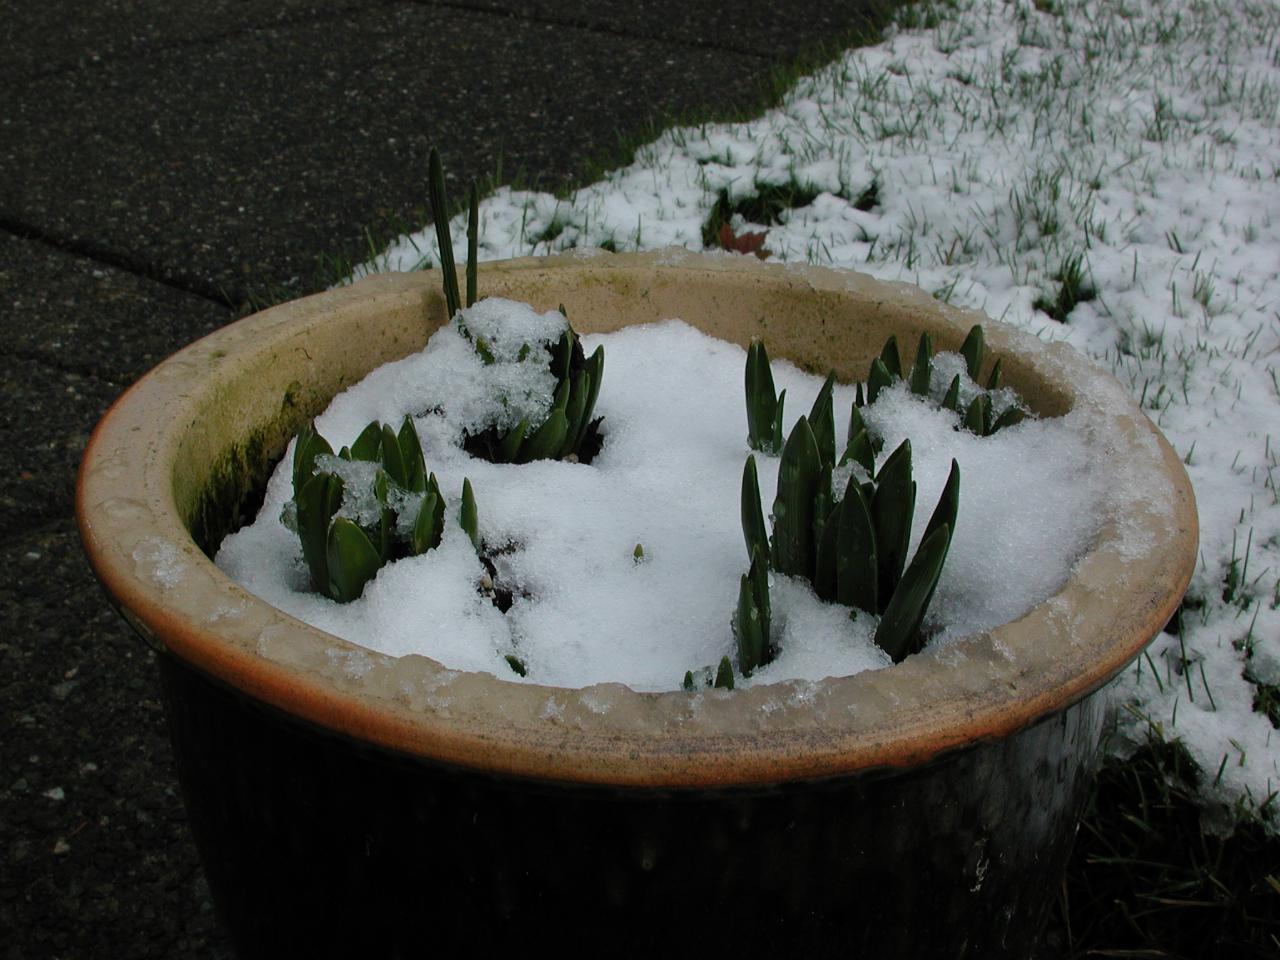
308	446
411	453
747	628
824	570
891	358
879	379
509	445
758	574
545	442
922	369
383	538
317	503
952	400
353	560
979	416
798	477
1010	416
860	452
822	421
857	569
469	518
433	486
426	531
858	399
595	370
753	528
899	631
574	411
517	665
892	507
972	350
944	514
393	459
724	675
775	439
762	400
822	505
993	381
563	354
688	682
473	242
440	213
345	453
368	445
857	424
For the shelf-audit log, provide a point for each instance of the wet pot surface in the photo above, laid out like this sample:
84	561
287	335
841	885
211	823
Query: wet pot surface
317	845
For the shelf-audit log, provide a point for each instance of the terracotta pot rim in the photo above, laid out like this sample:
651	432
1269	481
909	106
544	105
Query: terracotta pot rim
986	686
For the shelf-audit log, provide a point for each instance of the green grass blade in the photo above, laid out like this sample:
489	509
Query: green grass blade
440	213
857	570
353	560
793	507
972	350
473	242
899	631
892	507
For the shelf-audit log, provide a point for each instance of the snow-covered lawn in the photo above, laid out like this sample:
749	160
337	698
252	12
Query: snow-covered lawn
1116	164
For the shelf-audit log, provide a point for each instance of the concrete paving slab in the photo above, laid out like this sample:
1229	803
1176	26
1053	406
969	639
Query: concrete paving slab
229	167
96	859
79	315
48	38
42	442
776	29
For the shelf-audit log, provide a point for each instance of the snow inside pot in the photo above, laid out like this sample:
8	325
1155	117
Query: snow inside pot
381	802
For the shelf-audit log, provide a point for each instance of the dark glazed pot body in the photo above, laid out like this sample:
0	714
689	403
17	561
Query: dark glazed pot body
352	804
316	845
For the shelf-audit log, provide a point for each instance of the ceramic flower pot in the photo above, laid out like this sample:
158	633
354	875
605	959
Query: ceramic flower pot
350	804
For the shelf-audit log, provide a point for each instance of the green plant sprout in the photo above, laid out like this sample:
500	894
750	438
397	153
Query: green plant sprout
570	431
344	551
978	417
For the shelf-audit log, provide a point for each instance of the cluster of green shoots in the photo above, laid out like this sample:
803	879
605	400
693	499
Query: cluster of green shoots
345	552
569	432
344	549
851	546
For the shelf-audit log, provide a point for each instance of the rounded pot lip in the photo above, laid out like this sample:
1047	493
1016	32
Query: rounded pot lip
982	687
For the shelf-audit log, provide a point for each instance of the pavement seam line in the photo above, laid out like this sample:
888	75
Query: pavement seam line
91	251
